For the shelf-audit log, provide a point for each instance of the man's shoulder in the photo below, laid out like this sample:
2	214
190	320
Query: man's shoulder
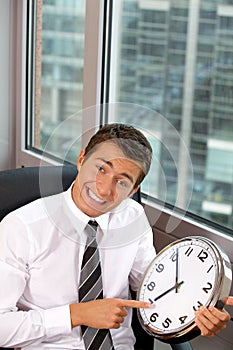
36	210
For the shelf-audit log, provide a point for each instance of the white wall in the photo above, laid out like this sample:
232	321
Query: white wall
6	138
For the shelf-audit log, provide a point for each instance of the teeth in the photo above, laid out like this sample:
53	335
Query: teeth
93	196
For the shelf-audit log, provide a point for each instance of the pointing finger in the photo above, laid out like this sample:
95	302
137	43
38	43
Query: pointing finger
135	304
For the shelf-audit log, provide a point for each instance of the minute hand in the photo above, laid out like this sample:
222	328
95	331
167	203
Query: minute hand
176	286
177	268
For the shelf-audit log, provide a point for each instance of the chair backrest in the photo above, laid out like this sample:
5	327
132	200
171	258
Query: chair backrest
23	185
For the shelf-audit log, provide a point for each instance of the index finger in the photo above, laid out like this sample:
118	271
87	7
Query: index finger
135	304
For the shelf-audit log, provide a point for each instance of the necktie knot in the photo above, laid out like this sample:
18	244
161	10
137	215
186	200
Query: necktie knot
91	229
93	224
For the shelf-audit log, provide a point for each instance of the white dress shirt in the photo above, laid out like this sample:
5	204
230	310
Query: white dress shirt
41	250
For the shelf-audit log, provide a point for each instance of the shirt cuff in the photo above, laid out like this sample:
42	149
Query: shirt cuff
57	321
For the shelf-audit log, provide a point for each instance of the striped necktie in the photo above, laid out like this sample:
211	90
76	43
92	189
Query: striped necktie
91	288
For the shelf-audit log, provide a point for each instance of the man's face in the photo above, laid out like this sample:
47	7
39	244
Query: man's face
105	179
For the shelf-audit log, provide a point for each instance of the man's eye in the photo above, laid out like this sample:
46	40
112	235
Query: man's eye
122	183
100	168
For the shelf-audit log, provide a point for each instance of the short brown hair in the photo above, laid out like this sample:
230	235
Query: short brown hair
131	141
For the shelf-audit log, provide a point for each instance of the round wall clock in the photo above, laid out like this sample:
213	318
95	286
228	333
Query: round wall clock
186	274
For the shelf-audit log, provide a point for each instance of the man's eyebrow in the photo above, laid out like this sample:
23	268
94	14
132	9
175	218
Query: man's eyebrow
111	166
106	162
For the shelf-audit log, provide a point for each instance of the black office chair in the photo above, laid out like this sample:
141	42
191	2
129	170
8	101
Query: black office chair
21	186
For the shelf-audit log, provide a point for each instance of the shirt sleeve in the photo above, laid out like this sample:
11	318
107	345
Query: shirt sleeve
19	327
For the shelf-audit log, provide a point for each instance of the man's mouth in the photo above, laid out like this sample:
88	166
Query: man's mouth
93	196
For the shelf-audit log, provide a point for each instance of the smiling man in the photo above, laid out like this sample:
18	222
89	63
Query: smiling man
65	280
105	179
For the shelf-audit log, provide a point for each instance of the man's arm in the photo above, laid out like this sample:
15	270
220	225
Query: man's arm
19	328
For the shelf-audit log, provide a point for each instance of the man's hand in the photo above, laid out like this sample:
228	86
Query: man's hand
211	321
103	313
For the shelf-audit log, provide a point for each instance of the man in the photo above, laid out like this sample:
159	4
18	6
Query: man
43	247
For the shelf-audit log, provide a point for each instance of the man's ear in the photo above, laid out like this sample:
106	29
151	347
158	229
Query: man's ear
80	159
134	191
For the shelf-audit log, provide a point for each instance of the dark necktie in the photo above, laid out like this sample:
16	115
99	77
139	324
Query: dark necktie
91	288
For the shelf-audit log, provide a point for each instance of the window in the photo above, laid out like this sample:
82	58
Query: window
226	23
152	16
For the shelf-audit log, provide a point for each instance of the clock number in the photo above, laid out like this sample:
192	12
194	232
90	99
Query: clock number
206	289
203	255
182	319
167	323
153	317
151	286
160	268
210	268
188	251
173	256
199	305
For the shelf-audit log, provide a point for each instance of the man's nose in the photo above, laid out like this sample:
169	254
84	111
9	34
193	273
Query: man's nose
107	188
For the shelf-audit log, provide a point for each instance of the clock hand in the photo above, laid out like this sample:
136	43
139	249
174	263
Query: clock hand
176	286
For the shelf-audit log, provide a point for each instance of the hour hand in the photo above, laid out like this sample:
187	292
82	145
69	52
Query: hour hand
176	286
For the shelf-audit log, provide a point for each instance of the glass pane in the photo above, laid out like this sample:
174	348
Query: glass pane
175	61
58	43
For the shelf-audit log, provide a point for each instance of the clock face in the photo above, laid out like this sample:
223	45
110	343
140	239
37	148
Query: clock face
184	276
